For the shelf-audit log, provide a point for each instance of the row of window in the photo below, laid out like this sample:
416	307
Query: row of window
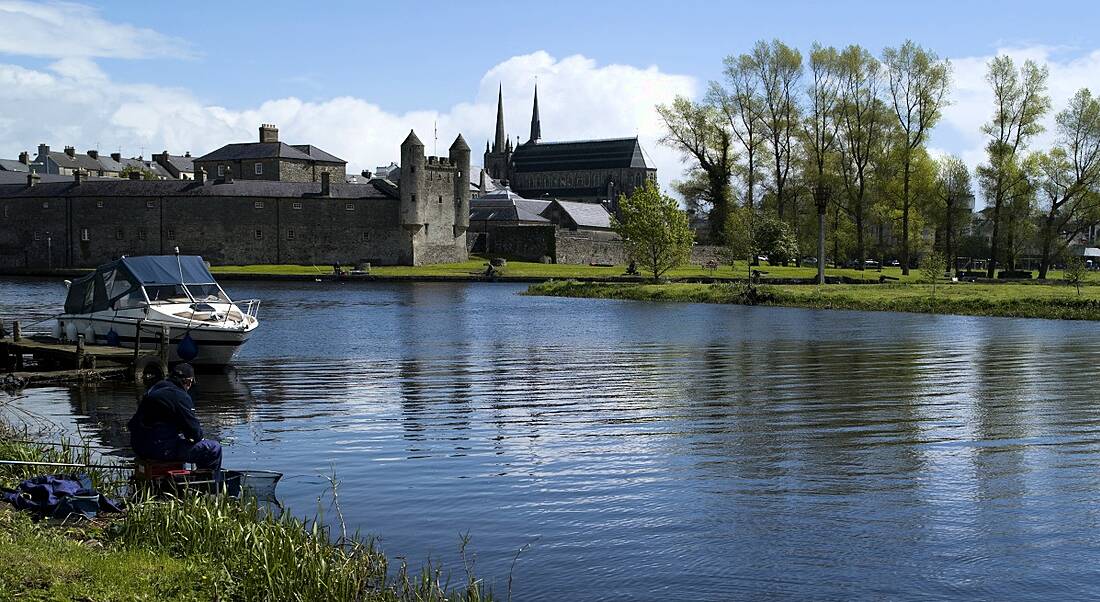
259	168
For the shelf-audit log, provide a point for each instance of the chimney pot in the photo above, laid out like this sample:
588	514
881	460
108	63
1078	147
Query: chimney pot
25	158
116	157
269	133
71	151
326	186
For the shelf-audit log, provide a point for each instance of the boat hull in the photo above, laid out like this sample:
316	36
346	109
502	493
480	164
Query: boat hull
213	346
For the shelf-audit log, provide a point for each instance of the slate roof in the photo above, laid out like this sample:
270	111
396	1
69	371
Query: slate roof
182	163
106	187
613	153
586	215
269	150
110	164
13	165
505	205
20	177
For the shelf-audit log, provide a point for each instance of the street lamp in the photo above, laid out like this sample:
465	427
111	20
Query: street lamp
821	200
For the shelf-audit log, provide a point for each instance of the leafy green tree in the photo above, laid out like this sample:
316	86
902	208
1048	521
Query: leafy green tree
698	131
740	243
1075	272
918	83
1020	102
743	107
774	237
955	202
778	68
146	173
933	266
654	230
820	133
1068	178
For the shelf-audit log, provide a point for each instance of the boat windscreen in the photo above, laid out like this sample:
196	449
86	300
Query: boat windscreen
208	293
167	293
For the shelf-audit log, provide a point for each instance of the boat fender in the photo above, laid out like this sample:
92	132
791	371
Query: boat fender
70	331
112	337
89	335
187	349
56	331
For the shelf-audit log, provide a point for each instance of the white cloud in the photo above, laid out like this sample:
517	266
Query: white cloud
63	29
73	102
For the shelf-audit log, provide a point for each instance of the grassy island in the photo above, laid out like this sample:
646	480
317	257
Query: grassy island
972	299
192	548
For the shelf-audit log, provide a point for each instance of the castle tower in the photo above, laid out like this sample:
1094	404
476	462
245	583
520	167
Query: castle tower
412	210
460	158
536	127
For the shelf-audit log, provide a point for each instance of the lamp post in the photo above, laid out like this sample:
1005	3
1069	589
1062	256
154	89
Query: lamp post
821	200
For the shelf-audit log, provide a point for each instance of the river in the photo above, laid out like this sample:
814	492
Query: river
660	451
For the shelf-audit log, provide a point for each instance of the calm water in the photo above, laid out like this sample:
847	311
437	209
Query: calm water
646	451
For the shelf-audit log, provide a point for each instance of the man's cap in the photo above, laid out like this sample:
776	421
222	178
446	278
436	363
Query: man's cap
183	371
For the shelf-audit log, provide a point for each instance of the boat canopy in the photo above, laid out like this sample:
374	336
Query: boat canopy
126	276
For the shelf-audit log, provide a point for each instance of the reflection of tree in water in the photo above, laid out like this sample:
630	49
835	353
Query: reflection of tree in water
222	401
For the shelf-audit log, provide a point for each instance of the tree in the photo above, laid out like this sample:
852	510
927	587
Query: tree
1021	101
740	242
933	266
743	106
918	83
820	130
778	68
1068	178
773	237
698	132
1075	272
953	194
862	124
146	173
654	230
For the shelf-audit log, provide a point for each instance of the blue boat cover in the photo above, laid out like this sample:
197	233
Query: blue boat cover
111	281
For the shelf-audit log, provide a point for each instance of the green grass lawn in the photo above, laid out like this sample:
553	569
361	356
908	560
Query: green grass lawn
1011	300
476	265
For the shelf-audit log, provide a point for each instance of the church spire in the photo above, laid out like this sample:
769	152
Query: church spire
536	128
498	143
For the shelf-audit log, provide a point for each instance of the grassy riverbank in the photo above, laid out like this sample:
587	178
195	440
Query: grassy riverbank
194	548
1010	300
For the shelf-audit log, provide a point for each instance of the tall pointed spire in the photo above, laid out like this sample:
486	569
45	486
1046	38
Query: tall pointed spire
498	143
536	127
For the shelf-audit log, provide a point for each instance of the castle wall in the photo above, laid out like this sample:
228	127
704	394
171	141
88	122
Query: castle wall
584	247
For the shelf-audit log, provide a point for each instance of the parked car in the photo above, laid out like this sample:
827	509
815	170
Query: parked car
809	261
870	263
894	263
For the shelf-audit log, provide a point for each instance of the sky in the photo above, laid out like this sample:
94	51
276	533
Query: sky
354	77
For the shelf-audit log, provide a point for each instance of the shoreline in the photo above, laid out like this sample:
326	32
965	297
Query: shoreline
962	299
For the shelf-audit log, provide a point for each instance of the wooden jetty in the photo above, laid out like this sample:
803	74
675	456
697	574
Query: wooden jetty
55	362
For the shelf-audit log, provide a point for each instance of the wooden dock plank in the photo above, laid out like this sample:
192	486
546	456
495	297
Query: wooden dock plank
26	345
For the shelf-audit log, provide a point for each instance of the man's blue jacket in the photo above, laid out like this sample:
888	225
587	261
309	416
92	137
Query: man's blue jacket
166	414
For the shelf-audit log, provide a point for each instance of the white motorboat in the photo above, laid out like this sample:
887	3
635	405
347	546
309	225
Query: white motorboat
137	298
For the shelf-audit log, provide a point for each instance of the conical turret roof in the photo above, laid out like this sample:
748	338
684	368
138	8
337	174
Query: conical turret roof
412	140
460	144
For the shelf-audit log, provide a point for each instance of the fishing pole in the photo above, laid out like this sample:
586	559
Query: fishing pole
70	444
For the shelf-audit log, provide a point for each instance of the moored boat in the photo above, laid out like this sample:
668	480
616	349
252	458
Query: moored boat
137	298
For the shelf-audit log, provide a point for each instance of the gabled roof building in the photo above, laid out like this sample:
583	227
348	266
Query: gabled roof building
270	159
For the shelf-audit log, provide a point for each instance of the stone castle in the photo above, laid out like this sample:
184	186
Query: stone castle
77	221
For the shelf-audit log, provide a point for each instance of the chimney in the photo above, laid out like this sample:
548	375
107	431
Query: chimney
325	183
78	176
43	150
366	174
70	151
116	157
269	133
187	154
135	175
25	158
93	154
200	175
32	179
228	177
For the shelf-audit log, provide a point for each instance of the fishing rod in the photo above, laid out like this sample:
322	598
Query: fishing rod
62	464
69	444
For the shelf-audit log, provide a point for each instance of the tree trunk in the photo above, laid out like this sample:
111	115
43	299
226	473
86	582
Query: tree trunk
905	220
1048	241
860	250
821	245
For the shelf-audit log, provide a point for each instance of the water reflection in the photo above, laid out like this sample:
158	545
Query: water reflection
651	450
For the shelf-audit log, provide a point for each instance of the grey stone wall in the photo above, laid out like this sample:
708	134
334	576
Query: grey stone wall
526	243
584	247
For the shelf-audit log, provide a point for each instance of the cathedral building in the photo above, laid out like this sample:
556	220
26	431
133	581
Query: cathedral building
580	170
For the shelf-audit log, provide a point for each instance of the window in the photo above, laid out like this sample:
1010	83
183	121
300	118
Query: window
168	293
149	204
258	204
440	199
366	237
141	233
171	234
119	234
290	235
99	204
259	234
83	235
349	207
414	198
296	205
259	169
45	204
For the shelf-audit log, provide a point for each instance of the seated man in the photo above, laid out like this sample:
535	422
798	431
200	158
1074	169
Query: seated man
165	426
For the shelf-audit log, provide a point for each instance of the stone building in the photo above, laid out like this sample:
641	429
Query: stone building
180	167
81	222
272	160
581	170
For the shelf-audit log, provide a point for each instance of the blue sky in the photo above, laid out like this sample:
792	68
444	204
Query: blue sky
353	77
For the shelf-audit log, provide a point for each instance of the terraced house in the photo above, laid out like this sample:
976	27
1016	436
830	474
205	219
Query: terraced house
272	160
